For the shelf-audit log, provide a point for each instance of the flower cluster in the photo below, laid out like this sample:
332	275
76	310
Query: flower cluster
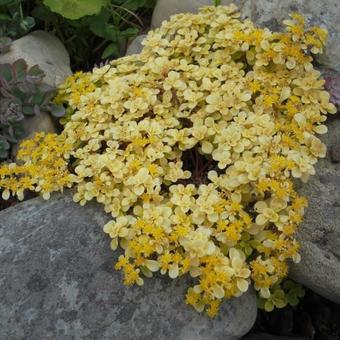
191	146
42	168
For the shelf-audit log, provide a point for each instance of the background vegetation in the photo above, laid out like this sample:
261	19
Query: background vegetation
91	30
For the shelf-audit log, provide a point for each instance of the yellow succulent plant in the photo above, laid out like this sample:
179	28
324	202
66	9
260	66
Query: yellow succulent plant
191	146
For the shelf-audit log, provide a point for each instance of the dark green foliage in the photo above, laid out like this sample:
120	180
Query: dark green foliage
5	44
93	38
22	93
313	318
13	22
89	39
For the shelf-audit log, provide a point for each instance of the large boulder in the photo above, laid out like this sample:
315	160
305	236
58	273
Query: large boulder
165	8
319	234
270	13
43	49
58	282
265	336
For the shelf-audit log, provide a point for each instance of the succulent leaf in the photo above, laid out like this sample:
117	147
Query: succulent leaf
22	93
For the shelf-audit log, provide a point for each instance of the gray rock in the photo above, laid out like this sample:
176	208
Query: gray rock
266	336
165	8
58	282
324	13
135	46
39	123
319	234
270	13
43	49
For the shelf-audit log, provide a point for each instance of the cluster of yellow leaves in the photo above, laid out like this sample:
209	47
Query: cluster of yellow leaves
249	102
41	167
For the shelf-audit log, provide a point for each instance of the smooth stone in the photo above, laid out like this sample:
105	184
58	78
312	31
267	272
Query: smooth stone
165	8
58	282
135	47
266	336
319	234
43	49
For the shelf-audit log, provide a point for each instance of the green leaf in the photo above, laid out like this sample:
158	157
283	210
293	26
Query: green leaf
111	50
43	13
133	5
20	69
75	9
4	144
6	72
57	110
4	148
27	23
4	18
6	2
130	32
28	110
38	98
98	24
36	71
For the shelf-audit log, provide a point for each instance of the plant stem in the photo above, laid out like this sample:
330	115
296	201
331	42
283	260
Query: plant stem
217	2
130	12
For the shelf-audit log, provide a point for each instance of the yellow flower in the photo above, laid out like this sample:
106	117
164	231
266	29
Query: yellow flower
190	146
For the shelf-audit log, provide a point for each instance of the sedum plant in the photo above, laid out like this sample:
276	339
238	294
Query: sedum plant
22	93
192	146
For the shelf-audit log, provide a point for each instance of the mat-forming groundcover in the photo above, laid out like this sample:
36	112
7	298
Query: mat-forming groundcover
192	145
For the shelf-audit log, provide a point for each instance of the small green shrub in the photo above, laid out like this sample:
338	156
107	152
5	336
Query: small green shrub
22	93
94	30
13	22
91	30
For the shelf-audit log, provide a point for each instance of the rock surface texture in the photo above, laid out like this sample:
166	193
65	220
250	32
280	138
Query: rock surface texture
319	234
270	13
135	46
58	282
165	8
265	336
43	49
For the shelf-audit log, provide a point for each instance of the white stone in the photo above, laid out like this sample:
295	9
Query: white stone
135	46
43	49
165	8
